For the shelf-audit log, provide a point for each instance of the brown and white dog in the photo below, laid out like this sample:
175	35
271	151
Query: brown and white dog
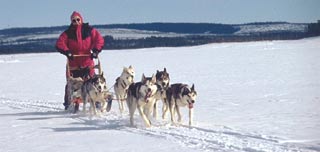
141	97
122	85
181	95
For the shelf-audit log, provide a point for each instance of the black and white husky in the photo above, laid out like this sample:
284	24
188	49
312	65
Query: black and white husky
141	96
94	91
181	95
122	84
162	80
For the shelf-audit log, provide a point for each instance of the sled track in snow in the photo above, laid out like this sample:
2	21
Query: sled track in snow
35	105
211	140
201	139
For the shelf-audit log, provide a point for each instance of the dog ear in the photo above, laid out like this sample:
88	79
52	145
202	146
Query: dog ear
130	67
125	69
165	70
143	78
154	80
192	88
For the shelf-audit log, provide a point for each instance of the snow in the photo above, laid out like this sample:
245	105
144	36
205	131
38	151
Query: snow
119	33
255	96
248	29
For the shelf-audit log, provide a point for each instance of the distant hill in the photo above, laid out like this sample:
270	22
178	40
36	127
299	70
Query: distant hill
181	28
141	35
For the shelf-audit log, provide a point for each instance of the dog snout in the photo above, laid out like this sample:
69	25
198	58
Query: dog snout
99	87
192	101
149	90
163	84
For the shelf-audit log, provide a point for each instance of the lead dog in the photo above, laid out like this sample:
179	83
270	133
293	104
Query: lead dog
181	95
122	85
141	97
162	80
94	91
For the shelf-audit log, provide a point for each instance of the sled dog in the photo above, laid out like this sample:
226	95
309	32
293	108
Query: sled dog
122	84
141	96
94	91
162	80
181	95
74	91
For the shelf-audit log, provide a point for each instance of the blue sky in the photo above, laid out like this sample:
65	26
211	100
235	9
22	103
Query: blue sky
38	13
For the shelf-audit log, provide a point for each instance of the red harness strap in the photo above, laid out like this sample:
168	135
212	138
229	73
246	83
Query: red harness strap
77	100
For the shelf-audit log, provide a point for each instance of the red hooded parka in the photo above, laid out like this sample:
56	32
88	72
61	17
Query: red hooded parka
80	39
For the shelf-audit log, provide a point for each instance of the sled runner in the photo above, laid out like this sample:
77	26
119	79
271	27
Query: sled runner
76	86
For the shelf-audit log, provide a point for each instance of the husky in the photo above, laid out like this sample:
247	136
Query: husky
94	91
181	95
162	81
122	85
74	86
141	96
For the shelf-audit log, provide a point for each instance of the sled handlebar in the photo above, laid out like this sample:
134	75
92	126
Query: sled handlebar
81	55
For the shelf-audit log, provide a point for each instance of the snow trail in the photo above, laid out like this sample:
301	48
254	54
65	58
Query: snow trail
195	137
198	138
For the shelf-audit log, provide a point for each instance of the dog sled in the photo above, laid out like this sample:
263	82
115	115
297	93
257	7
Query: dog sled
75	83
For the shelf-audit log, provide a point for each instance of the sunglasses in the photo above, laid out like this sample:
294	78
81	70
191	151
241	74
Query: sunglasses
76	20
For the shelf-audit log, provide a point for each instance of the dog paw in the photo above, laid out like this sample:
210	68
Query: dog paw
148	125
174	124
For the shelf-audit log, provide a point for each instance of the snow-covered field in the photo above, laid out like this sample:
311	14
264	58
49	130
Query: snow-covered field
135	34
271	28
256	96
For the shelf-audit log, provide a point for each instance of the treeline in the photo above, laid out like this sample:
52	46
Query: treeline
32	46
47	45
314	29
31	30
193	40
181	28
198	34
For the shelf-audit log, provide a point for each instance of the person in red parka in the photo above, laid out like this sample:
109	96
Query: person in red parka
80	43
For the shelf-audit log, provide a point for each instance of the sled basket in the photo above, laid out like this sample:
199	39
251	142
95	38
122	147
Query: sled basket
95	67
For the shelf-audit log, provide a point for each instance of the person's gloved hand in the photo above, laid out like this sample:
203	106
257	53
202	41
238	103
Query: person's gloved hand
94	53
69	55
